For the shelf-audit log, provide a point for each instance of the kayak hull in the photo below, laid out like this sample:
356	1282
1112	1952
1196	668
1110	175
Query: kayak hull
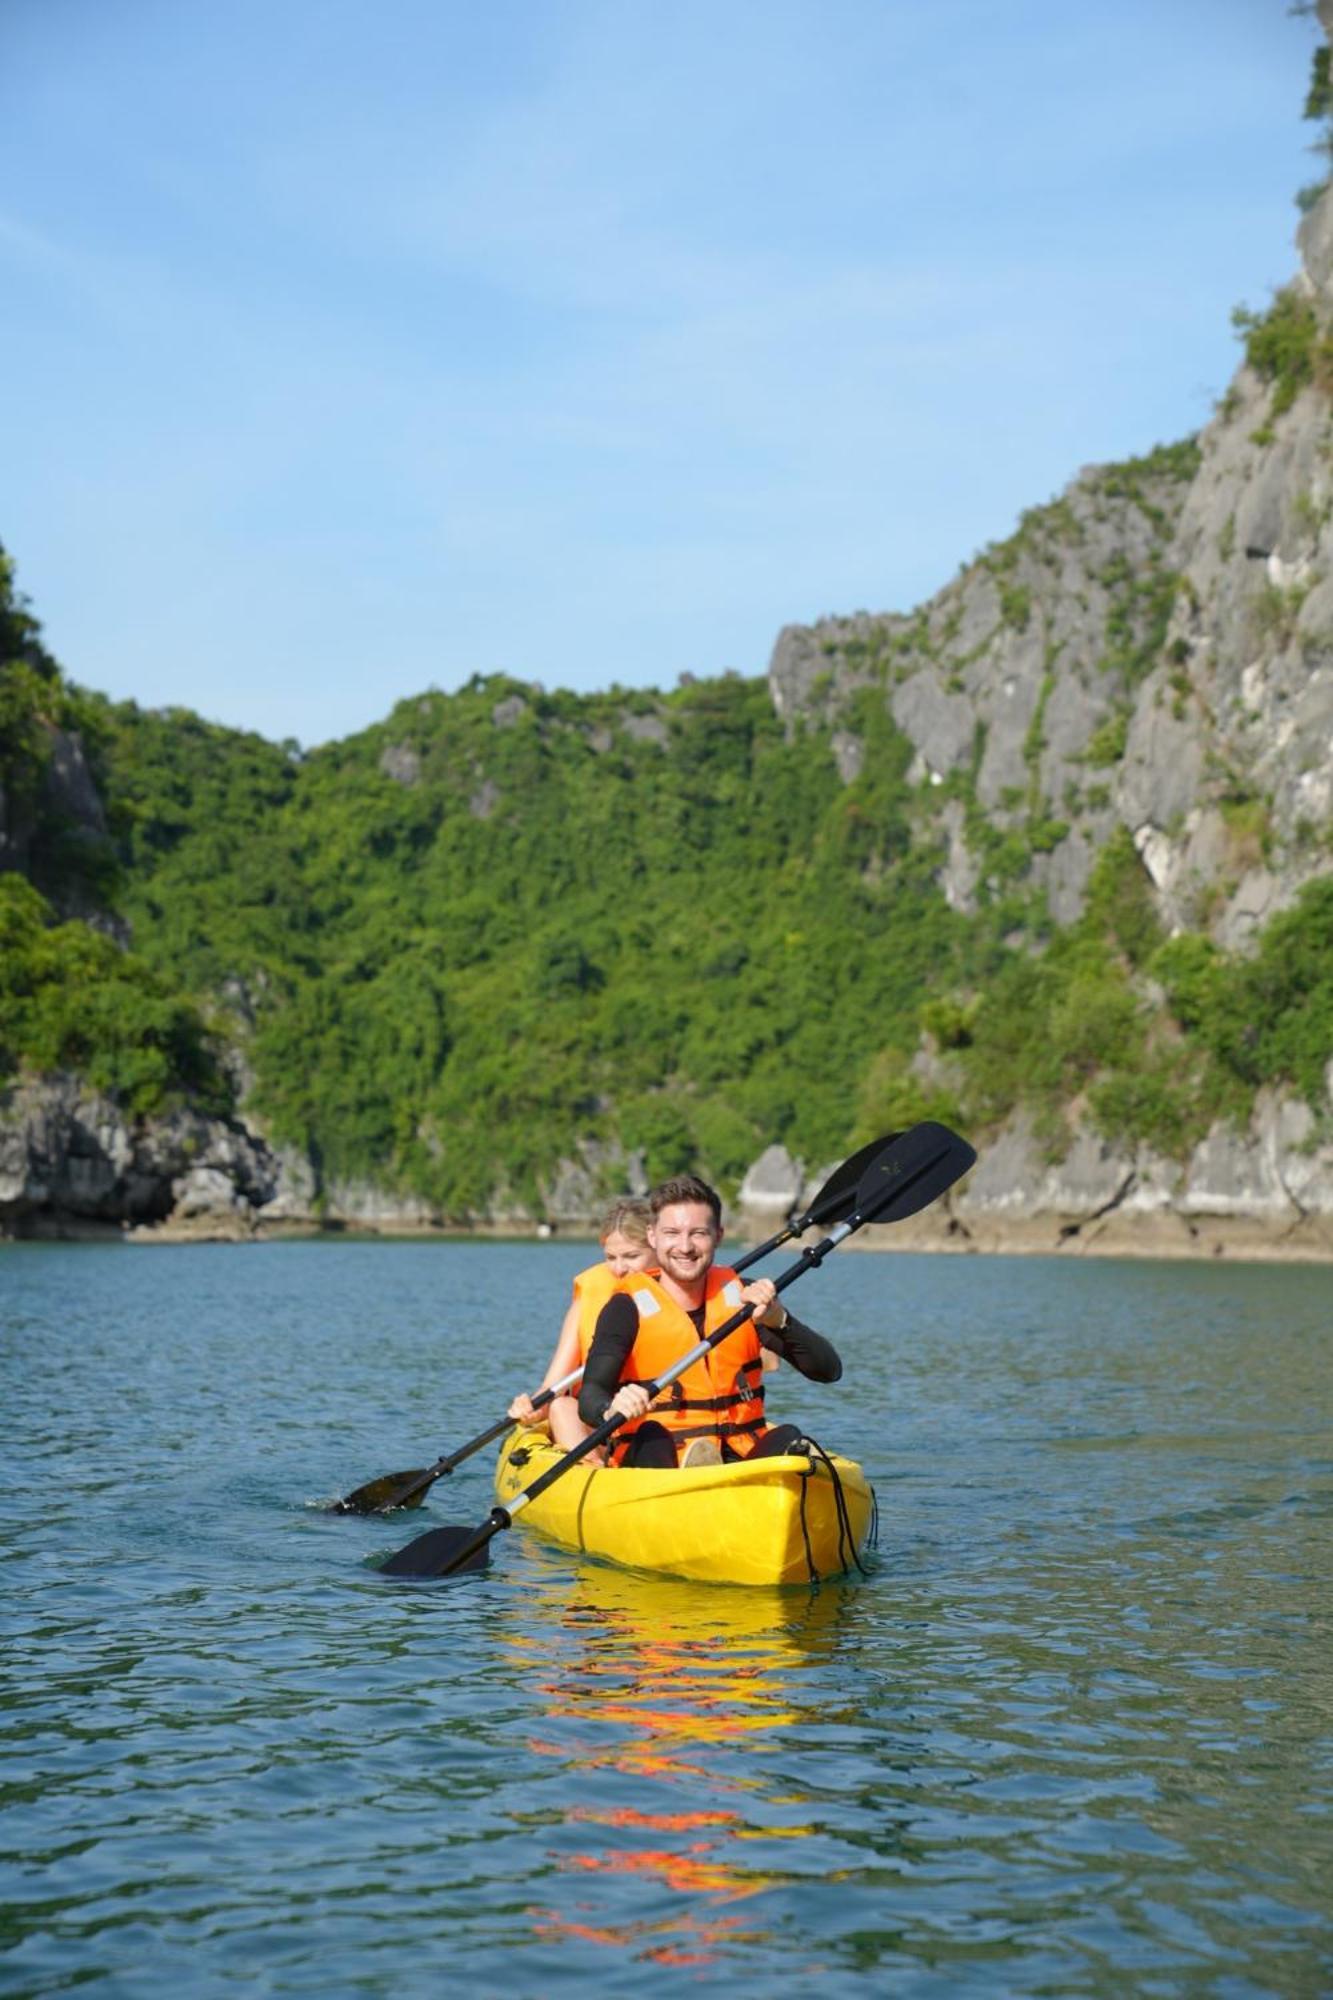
759	1521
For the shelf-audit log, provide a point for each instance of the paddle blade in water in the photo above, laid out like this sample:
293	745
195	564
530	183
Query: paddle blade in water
378	1496
441	1552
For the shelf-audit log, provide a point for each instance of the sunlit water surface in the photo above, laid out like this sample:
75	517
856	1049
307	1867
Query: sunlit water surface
1070	1736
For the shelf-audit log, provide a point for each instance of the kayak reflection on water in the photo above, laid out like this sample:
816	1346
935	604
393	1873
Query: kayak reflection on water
656	1692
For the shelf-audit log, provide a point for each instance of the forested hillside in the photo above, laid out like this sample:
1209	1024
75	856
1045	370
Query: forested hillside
506	928
504	922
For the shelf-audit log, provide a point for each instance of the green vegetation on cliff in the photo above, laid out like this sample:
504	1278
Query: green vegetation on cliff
72	1000
505	924
39	712
1152	1039
503	921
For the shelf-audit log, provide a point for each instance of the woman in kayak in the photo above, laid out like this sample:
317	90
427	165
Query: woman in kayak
624	1240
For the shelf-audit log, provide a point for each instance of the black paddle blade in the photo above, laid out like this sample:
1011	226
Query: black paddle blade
440	1552
911	1172
378	1496
836	1200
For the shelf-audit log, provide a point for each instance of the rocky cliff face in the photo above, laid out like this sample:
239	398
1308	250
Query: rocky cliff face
1016	684
1152	650
72	1163
1265	1193
1241	709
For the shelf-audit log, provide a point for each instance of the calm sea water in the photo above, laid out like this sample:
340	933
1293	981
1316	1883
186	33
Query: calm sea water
1073	1735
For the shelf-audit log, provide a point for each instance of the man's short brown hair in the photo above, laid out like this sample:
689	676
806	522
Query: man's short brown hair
685	1187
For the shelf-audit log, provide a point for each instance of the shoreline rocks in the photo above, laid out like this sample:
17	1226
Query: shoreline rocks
72	1166
72	1162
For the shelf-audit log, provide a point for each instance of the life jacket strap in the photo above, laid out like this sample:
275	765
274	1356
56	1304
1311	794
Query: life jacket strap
716	1402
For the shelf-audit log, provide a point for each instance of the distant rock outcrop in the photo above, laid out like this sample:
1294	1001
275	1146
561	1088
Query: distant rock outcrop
72	1163
1266	1192
771	1190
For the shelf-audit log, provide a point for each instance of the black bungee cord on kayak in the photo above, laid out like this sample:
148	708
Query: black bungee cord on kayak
846	1535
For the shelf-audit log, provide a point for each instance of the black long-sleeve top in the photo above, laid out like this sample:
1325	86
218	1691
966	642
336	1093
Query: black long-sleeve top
618	1323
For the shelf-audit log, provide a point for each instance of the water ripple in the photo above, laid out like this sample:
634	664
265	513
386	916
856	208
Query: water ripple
1071	1735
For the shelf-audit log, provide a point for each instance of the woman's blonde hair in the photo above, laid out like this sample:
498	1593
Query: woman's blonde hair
630	1216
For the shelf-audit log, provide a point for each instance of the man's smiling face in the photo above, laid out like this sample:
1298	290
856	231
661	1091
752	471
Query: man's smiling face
684	1238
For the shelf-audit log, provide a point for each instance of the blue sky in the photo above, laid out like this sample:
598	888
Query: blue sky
351	347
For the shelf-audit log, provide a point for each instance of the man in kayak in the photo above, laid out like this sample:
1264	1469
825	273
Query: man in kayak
715	1410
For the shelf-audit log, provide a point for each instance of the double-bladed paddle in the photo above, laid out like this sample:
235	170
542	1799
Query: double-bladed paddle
835	1199
903	1178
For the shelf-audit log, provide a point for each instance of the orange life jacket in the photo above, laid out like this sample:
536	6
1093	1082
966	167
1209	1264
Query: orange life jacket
592	1289
722	1395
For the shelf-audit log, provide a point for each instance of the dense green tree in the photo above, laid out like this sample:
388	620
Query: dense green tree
71	1000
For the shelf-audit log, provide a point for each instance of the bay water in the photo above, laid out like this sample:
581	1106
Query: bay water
1072	1734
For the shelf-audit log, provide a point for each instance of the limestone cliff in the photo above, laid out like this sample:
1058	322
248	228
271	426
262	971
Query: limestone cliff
72	1162
1152	650
1017	684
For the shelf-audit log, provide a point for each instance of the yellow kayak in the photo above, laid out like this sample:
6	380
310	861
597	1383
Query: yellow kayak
759	1521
